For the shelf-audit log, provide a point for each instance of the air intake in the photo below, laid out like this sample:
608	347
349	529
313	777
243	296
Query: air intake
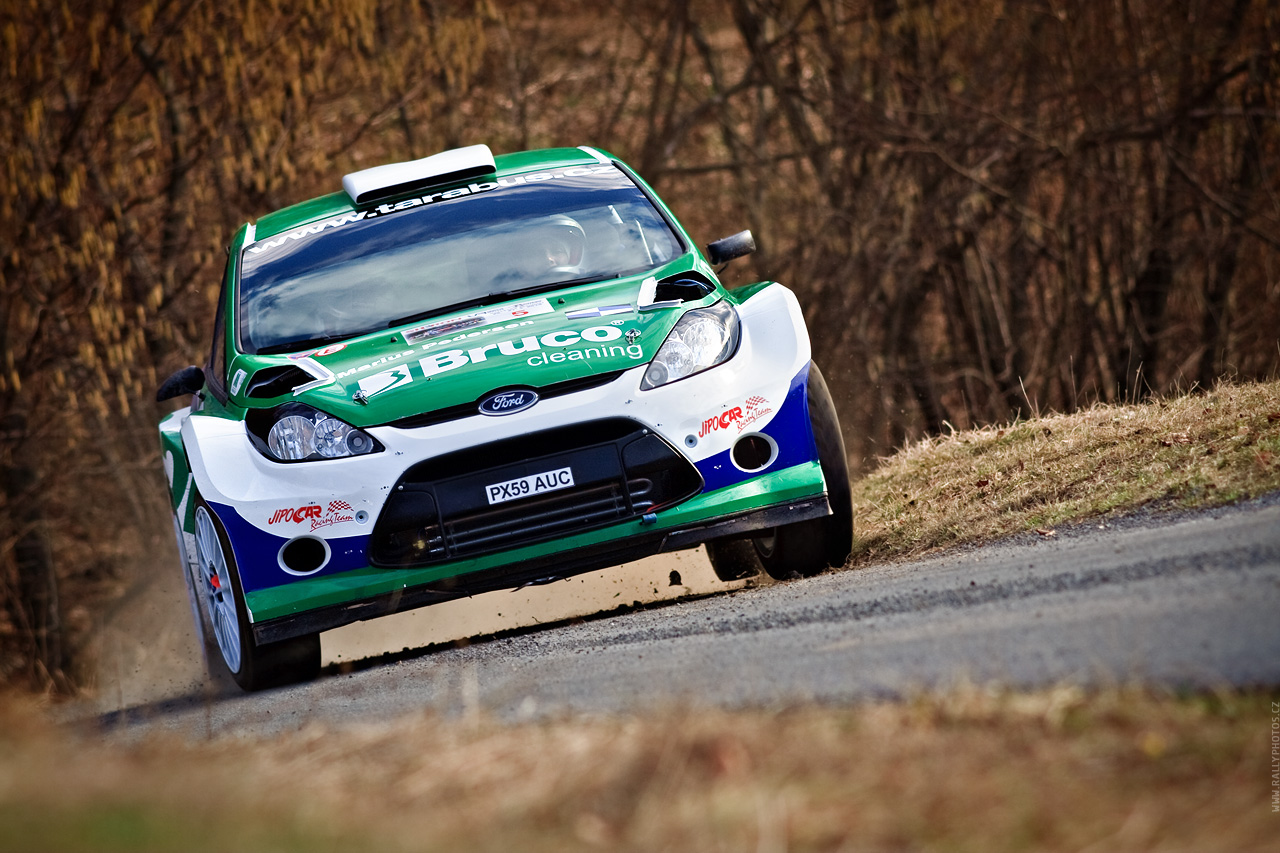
380	183
274	381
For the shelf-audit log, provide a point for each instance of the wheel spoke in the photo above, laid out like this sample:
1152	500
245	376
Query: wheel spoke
217	590
226	631
208	549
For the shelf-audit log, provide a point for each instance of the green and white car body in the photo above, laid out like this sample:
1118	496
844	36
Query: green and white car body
409	399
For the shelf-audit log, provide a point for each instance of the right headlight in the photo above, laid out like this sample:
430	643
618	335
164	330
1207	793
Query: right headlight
701	339
296	432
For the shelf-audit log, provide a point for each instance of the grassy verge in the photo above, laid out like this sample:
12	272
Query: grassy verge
1195	451
978	770
973	769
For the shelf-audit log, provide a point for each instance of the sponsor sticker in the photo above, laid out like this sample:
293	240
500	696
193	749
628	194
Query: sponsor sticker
740	417
602	311
315	516
593	342
634	352
436	329
276	242
487	317
374	385
329	350
754	408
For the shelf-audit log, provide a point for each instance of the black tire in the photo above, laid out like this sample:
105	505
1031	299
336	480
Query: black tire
806	548
733	559
259	666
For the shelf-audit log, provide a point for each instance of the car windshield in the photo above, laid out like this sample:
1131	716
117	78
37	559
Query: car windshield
409	260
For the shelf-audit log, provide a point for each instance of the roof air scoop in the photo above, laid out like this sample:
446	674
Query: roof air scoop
397	179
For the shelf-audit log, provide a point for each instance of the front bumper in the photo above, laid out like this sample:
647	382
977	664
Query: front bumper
321	604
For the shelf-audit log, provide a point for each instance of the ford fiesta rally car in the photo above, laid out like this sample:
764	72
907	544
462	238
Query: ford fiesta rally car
468	373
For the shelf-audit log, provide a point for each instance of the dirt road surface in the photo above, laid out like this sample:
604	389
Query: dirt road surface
1186	600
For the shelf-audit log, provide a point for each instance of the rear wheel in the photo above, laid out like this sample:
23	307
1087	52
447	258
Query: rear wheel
221	602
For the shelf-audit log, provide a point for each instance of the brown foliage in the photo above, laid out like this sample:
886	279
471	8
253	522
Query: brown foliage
969	769
985	206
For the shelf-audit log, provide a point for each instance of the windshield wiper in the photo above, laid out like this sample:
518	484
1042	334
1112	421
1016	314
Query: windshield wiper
304	343
497	297
569	282
443	309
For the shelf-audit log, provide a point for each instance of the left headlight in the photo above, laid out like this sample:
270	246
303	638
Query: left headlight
296	432
701	339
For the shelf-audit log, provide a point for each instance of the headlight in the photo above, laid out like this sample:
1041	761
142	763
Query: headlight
700	340
298	433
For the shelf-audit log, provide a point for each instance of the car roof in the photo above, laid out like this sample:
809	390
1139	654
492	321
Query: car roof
338	203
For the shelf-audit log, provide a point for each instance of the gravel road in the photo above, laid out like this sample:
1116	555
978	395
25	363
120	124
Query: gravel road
1175	600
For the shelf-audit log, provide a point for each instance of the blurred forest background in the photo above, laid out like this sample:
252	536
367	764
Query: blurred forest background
987	207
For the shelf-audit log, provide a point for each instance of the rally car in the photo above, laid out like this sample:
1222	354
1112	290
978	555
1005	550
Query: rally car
468	372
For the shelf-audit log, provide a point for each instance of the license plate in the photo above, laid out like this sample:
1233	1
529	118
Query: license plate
523	487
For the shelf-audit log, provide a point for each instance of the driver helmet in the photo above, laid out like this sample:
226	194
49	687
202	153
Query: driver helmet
564	242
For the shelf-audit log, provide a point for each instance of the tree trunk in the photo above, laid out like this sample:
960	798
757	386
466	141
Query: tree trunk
33	604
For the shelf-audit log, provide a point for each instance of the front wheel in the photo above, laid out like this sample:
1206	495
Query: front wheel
733	559
806	548
221	602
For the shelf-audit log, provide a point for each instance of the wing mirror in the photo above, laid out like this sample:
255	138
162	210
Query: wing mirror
188	380
727	248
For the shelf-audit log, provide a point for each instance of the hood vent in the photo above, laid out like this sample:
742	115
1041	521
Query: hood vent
684	287
274	381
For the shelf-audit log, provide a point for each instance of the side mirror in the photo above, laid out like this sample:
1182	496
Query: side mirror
188	380
727	248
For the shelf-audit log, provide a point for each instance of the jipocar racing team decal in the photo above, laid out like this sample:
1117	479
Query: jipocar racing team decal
314	516
740	417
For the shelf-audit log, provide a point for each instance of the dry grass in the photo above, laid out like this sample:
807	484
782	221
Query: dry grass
979	770
973	769
1195	451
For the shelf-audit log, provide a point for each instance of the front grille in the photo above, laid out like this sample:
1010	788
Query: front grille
466	410
439	510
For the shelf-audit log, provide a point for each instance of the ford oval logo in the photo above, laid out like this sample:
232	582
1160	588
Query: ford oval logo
507	402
